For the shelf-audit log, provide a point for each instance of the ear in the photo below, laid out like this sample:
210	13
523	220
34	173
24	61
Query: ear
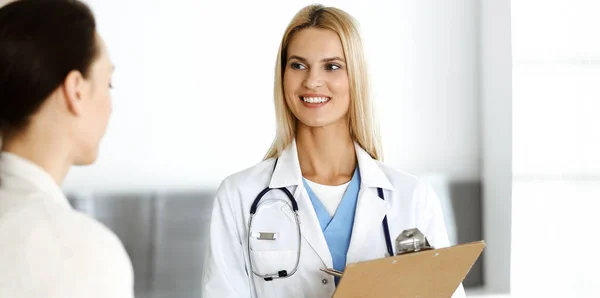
74	91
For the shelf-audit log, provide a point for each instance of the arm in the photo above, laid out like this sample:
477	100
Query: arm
433	226
225	272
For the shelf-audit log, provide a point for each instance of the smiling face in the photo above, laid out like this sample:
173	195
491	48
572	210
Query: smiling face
315	80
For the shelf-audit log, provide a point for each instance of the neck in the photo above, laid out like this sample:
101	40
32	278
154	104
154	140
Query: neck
326	154
44	150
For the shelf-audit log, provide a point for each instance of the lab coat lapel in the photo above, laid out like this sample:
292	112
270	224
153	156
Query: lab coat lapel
368	218
311	229
287	173
370	208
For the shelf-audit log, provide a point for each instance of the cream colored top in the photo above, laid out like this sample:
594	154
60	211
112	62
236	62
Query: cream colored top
330	195
47	248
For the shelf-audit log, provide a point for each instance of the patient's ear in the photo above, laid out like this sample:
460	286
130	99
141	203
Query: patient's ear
74	90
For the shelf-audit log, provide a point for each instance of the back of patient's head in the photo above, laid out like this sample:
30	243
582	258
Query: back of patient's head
40	43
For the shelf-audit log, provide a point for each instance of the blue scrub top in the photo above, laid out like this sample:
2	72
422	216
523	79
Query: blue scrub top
338	229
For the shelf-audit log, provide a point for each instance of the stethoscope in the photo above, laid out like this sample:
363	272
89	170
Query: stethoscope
285	273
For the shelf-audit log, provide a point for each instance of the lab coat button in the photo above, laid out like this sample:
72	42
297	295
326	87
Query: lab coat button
324	281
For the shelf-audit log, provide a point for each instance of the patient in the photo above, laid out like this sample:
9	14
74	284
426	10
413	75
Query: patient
55	77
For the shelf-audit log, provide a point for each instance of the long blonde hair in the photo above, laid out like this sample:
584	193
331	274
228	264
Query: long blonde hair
363	128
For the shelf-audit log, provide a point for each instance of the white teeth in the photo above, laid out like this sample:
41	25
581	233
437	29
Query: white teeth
315	99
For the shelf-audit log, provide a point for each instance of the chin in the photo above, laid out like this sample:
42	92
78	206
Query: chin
86	159
314	122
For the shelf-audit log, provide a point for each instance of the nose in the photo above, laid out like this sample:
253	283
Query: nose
313	80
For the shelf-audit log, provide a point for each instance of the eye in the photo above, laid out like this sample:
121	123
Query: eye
332	67
297	66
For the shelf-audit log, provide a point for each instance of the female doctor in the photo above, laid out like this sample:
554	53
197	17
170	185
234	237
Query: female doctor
55	75
325	157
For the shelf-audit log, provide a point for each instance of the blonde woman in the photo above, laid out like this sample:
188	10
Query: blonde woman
321	198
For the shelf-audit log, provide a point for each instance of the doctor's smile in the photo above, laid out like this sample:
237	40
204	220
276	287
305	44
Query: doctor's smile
314	100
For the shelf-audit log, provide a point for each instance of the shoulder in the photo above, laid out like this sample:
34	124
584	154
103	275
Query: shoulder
416	196
257	175
404	182
61	250
88	244
413	191
95	251
68	229
86	233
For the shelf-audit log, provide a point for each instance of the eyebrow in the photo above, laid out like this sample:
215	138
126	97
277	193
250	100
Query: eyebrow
335	58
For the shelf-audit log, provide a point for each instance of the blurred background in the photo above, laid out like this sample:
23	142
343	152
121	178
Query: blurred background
193	104
494	102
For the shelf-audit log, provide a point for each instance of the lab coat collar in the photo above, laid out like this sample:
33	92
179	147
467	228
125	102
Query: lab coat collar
288	173
370	208
371	174
30	177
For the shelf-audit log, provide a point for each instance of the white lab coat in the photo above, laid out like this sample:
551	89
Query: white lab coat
48	249
409	203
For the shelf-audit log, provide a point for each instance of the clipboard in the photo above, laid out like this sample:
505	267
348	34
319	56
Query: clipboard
430	273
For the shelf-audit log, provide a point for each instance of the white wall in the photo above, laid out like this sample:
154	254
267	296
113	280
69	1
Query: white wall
193	97
496	113
556	149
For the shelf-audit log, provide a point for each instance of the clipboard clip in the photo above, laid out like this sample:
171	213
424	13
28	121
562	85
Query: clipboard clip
411	240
